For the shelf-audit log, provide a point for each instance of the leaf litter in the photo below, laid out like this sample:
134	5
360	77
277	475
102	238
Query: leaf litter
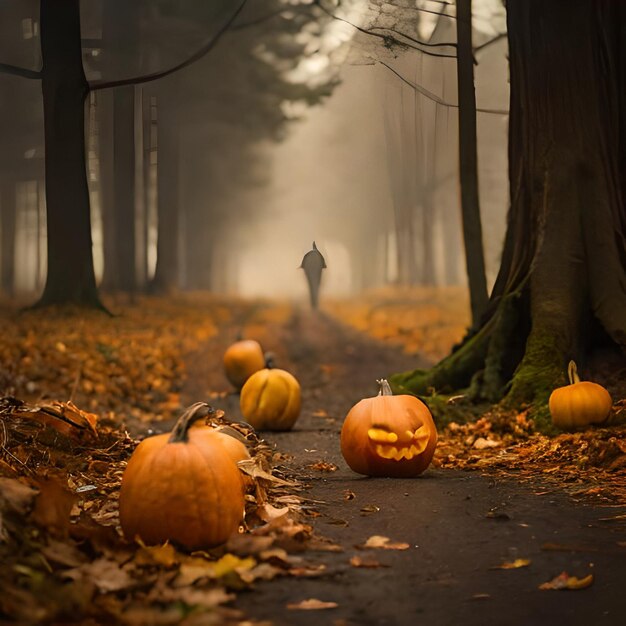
132	371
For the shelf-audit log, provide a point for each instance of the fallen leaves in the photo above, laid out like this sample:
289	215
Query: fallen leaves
64	526
365	562
516	564
312	604
564	582
384	543
419	319
587	464
323	466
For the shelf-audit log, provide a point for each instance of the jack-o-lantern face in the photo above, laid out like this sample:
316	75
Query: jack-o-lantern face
389	435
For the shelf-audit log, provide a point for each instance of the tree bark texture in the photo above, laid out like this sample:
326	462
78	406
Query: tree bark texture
563	269
120	272
168	175
468	164
8	215
70	276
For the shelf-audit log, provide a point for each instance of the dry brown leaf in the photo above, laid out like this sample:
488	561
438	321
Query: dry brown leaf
268	513
164	593
251	467
312	604
323	466
63	553
53	506
164	555
369	508
15	496
367	562
378	541
482	443
564	581
105	574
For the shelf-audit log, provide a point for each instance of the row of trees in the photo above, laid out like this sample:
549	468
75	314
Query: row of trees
200	124
561	290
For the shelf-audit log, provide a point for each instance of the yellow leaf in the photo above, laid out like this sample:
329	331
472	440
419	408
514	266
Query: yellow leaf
378	541
565	581
513	564
312	604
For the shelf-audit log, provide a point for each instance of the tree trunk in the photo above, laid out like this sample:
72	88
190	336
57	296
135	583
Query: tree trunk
468	164
124	186
121	32
8	214
168	164
561	290
70	278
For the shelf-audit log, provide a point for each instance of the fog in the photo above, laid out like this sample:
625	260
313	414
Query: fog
272	140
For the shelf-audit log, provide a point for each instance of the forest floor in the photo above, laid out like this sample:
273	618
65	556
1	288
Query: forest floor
508	526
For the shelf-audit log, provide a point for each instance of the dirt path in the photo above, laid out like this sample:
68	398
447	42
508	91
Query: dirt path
459	526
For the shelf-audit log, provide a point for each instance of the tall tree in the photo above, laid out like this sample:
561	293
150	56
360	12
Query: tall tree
71	275
121	35
468	163
561	290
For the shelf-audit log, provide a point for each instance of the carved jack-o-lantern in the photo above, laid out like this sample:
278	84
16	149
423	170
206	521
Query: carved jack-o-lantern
389	435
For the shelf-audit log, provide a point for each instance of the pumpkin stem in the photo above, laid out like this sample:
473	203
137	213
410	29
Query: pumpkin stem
572	373
384	388
192	414
269	360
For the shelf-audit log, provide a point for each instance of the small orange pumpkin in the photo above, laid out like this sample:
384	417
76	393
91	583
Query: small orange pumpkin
270	399
184	487
242	359
389	435
579	404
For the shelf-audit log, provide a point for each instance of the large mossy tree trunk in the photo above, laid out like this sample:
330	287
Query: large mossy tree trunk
561	289
70	278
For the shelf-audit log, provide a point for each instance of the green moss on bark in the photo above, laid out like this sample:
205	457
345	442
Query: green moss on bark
454	372
539	373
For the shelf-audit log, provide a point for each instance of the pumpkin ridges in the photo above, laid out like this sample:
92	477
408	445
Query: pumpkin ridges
271	400
394	414
221	494
579	404
199	501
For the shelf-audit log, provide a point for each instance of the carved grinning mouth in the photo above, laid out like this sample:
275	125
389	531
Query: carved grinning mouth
388	445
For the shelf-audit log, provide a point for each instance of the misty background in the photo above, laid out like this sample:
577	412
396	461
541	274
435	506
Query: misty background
295	127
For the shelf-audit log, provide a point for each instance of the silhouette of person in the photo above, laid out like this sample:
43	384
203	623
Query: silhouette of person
313	263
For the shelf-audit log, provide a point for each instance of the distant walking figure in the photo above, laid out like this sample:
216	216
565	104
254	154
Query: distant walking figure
313	263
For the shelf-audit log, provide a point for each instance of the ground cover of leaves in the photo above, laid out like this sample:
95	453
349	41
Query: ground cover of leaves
73	383
430	321
81	379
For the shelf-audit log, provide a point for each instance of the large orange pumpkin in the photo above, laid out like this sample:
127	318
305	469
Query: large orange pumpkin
242	359
389	435
184	487
270	399
579	404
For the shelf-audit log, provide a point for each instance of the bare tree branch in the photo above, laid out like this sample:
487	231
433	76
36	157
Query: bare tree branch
388	40
6	68
435	97
413	39
207	47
